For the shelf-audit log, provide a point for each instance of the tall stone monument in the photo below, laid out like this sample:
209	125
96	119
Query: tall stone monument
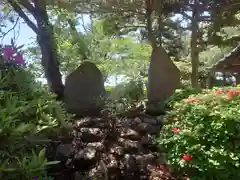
163	79
84	89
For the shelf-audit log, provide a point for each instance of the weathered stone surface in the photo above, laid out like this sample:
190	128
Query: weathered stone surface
118	150
63	151
91	134
150	121
83	90
130	134
96	145
163	79
127	156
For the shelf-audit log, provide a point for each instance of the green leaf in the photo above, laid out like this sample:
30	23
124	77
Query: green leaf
22	128
41	154
52	162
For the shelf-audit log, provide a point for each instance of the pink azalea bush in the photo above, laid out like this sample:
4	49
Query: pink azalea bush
201	135
11	54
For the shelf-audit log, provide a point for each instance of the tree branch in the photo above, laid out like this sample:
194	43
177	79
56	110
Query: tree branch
186	15
28	6
15	24
20	12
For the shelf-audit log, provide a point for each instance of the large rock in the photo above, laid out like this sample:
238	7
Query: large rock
84	88
163	79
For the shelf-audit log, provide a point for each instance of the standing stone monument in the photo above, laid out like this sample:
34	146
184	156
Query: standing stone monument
84	89
163	79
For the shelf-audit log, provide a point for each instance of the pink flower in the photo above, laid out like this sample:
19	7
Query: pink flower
8	52
220	91
187	157
18	59
193	99
176	130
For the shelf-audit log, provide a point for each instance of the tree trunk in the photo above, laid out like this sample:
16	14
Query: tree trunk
50	64
237	77
194	47
46	41
149	11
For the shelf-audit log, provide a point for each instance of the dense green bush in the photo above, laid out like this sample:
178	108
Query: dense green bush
29	115
125	95
181	94
202	135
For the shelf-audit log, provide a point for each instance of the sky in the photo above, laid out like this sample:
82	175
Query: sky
25	36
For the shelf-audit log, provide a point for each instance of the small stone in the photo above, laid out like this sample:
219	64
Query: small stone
137	120
128	145
146	140
118	150
96	145
150	121
86	153
144	128
160	119
91	134
113	162
130	134
63	151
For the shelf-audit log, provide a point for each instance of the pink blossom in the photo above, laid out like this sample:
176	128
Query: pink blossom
8	52
19	59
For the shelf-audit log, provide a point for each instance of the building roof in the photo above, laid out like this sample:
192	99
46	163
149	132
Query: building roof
230	62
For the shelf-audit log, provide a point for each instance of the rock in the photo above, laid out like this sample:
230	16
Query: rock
136	121
63	151
96	145
84	88
163	79
91	134
112	162
145	159
150	121
89	122
144	128
146	140
86	153
118	150
130	134
130	168
160	120
85	159
128	145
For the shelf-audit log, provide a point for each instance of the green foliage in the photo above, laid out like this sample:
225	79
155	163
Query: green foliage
126	94
206	128
29	115
181	94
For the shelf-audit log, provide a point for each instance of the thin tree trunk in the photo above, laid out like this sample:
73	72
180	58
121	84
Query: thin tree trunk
194	46
149	11
46	41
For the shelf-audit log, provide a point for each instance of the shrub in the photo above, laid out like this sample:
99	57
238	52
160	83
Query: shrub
202	135
28	115
181	94
125	95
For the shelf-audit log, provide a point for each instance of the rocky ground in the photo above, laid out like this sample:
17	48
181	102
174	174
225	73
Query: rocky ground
112	147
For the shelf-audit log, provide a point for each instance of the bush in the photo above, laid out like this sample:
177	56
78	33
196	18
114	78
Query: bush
181	94
28	115
125	95
202	135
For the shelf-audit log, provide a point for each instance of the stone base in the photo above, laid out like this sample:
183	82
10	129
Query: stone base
93	112
155	109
